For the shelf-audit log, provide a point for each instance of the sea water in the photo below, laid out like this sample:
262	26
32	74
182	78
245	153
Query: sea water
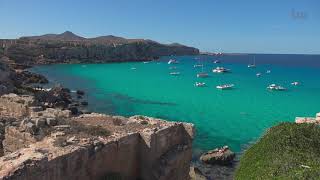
235	117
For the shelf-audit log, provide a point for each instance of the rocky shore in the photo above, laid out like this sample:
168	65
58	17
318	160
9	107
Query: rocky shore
41	142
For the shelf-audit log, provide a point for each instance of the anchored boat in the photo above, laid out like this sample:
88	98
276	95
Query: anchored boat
275	87
220	70
295	83
254	63
172	61
200	84
225	86
175	73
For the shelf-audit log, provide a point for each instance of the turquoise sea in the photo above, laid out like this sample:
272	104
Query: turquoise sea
234	117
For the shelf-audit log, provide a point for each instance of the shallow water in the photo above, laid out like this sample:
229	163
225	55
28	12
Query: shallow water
234	117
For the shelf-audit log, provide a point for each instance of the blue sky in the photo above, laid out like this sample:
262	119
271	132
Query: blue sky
249	26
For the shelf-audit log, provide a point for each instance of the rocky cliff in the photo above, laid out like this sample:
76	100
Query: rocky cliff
70	48
49	143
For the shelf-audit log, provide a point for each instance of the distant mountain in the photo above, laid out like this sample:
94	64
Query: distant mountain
71	48
66	36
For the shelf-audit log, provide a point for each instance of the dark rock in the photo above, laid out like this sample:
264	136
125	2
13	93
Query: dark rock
196	174
31	128
74	110
51	121
84	103
26	77
7	79
221	156
56	97
80	92
39	122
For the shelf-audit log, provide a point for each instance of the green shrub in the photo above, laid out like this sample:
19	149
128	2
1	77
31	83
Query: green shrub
286	151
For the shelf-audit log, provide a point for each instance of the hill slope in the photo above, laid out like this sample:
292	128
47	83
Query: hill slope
70	48
286	151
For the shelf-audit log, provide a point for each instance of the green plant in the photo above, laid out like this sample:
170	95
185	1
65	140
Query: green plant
286	151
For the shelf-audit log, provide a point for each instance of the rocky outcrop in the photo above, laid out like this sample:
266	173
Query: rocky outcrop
12	105
6	79
222	156
196	174
70	48
50	143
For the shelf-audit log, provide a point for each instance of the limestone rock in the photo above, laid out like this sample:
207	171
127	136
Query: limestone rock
222	156
196	174
51	121
39	122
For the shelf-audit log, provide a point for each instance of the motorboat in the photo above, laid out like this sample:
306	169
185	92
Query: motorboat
216	61
202	75
268	71
276	87
172	61
145	62
258	74
225	86
175	73
200	84
133	68
198	65
220	70
295	83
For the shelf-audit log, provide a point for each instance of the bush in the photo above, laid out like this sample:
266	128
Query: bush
286	151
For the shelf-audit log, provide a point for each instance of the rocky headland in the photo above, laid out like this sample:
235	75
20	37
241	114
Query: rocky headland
70	48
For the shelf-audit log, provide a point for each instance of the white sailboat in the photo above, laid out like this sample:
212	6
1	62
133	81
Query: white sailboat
202	74
254	63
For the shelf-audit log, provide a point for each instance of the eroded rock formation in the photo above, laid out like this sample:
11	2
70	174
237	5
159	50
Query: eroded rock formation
50	143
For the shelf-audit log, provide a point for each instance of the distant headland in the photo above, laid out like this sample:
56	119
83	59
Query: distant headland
71	48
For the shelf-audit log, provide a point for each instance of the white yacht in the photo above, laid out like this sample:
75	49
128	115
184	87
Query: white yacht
175	73
172	61
225	86
258	74
220	70
295	83
198	65
276	87
200	84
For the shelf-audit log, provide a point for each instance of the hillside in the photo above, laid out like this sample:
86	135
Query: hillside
70	48
286	151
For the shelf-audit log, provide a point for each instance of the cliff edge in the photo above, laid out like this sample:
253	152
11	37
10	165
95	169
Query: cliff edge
50	143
